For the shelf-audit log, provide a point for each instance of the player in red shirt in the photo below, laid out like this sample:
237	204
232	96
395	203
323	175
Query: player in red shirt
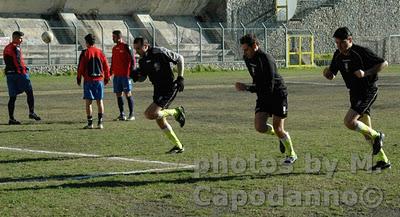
94	68
122	64
18	80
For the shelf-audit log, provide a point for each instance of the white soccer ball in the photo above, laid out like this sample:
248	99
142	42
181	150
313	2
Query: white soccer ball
47	37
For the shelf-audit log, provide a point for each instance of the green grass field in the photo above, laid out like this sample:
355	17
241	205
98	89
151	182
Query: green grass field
219	124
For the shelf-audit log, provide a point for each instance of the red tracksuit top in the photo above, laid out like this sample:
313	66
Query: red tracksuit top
14	60
122	60
93	65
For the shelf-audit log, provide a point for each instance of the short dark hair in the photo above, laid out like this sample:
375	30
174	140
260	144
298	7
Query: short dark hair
342	33
90	39
17	34
117	33
249	39
140	40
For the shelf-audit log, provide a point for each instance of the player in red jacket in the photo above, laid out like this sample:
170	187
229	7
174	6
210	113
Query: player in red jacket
18	80
94	69
122	64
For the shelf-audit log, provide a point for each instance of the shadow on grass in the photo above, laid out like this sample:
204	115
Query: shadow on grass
46	122
42	159
112	184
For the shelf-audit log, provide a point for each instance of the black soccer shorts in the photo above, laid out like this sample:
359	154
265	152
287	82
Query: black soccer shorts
361	103
277	105
164	98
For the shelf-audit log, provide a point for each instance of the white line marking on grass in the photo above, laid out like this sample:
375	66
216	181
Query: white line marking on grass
334	84
313	83
93	156
97	175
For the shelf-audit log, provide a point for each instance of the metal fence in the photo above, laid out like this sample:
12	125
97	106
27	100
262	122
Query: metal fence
200	43
203	43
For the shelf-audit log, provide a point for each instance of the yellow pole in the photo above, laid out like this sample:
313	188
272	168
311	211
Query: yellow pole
300	51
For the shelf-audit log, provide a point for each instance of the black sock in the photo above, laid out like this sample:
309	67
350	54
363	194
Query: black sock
100	118
130	104
31	101
120	105
89	120
11	107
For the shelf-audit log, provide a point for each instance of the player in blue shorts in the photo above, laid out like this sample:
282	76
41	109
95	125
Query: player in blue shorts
18	80
94	68
122	64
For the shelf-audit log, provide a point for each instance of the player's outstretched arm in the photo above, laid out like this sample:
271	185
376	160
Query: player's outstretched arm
328	74
181	68
240	86
372	71
245	87
377	68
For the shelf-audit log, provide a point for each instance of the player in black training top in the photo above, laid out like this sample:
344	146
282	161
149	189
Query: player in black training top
271	94
155	62
359	67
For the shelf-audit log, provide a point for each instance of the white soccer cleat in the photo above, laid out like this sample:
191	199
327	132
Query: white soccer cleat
131	118
100	126
87	127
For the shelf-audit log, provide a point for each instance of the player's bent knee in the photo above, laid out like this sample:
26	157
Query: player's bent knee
279	131
351	124
261	128
150	115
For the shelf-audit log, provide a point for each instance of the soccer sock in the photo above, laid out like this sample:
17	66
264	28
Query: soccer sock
31	101
11	106
130	104
287	142
365	130
381	156
169	133
89	120
270	130
120	105
167	112
366	119
100	118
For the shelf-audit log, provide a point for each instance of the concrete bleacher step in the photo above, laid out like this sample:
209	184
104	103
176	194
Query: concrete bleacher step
206	59
205	46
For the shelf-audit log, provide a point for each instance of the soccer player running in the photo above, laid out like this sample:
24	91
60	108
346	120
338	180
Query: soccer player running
155	62
359	67
18	80
271	94
122	64
94	68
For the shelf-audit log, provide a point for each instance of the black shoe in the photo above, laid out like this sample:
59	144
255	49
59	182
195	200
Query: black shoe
181	117
13	122
175	150
34	116
121	117
290	160
282	147
381	165
88	127
378	143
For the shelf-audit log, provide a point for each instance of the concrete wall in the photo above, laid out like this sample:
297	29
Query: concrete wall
248	11
371	22
153	7
32	27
